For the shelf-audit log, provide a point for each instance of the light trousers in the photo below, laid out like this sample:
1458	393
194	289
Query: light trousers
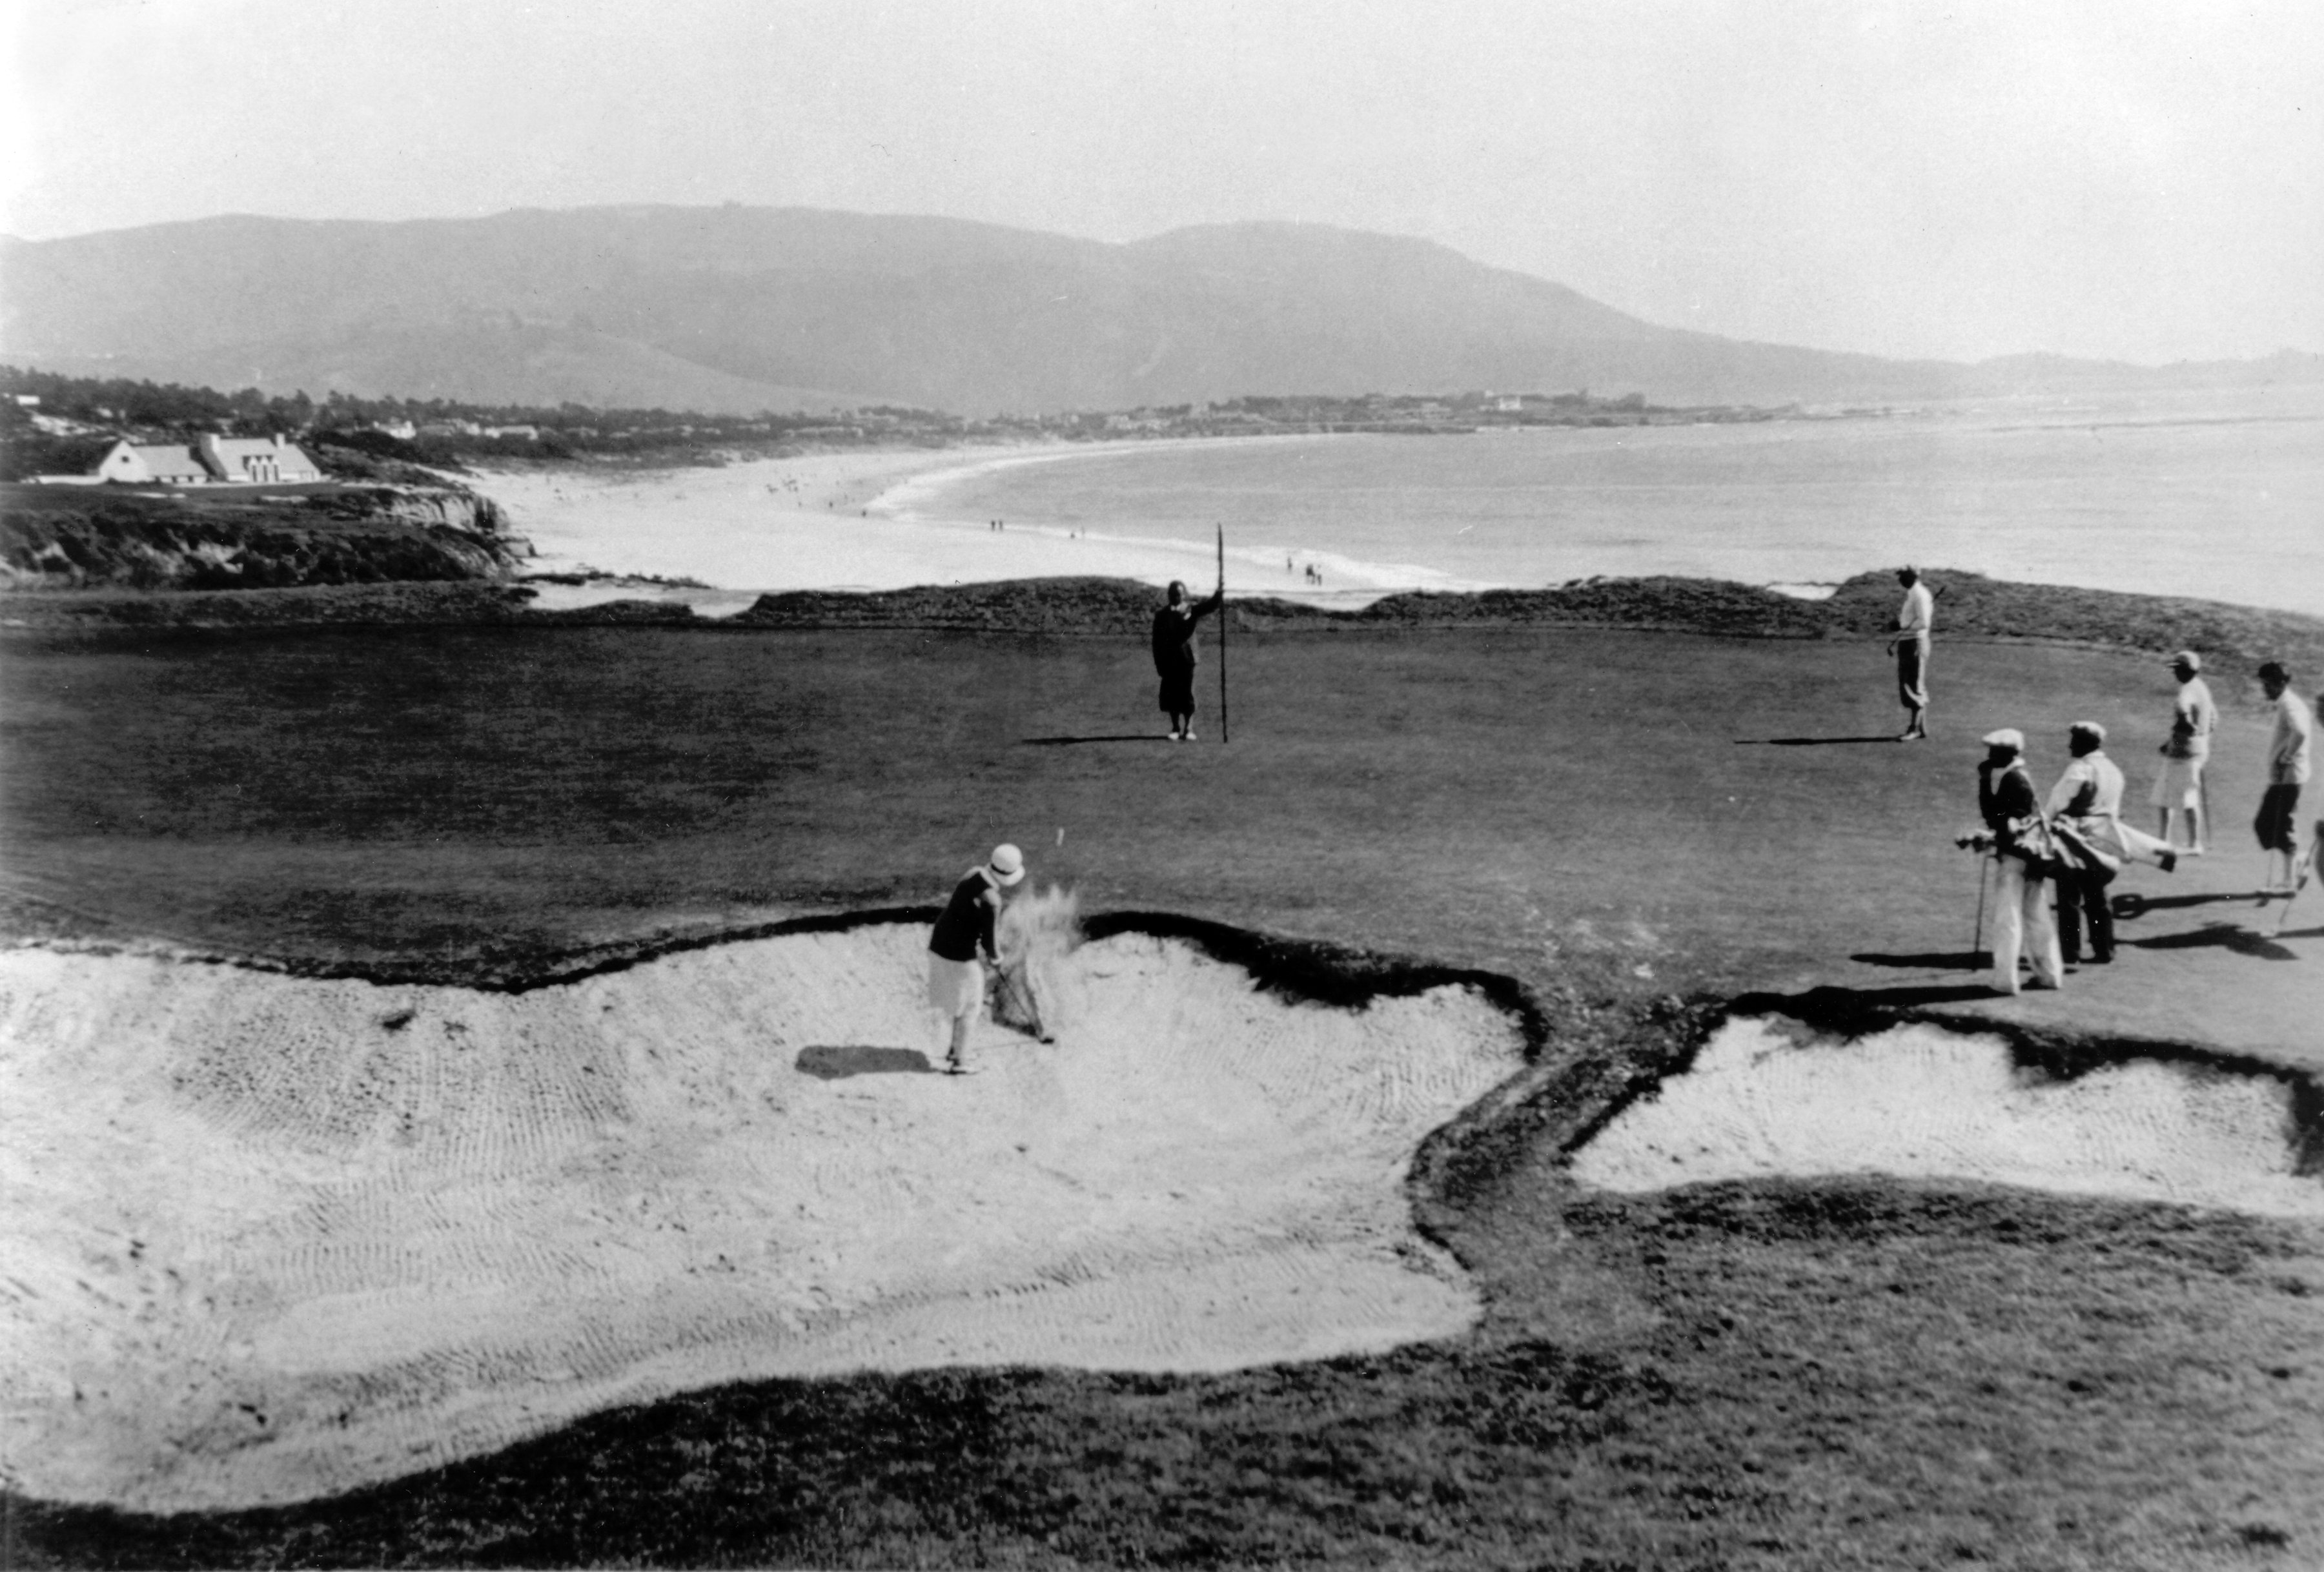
2021	922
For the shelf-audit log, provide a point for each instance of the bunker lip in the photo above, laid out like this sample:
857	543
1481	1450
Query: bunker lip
1296	969
553	1184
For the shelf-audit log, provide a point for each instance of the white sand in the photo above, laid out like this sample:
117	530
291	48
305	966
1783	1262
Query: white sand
264	1238
856	520
1921	1101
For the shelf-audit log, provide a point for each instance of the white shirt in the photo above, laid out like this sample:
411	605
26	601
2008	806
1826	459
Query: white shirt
1919	610
2193	716
2092	787
2288	748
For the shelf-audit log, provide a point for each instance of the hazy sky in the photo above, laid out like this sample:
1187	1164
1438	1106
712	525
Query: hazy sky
2098	177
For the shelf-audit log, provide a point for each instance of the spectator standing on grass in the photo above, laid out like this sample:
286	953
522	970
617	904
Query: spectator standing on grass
1910	648
969	929
2021	907
2087	800
2289	747
1174	655
2180	788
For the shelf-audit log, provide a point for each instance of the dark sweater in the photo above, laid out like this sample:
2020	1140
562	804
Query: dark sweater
968	921
2004	796
1174	634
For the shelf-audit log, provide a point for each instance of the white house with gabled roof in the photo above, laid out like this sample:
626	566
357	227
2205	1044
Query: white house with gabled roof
257	461
151	464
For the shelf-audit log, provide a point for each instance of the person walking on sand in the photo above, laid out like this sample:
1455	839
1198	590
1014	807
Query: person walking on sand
1910	648
969	928
1174	655
2021	913
2289	747
2087	804
2180	788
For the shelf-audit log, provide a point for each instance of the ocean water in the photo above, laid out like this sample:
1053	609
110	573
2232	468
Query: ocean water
2219	497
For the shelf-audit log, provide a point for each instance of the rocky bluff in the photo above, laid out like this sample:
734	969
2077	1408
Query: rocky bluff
55	537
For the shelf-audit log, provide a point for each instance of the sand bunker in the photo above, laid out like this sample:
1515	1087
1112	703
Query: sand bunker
1924	1102
264	1238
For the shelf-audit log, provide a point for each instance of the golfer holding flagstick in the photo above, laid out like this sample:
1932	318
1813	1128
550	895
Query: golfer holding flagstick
1174	659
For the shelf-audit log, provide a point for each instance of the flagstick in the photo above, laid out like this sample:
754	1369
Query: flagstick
1224	734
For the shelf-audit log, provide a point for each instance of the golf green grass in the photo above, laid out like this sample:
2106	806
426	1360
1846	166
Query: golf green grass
1632	826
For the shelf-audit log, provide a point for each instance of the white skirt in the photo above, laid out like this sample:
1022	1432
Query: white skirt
2181	784
956	988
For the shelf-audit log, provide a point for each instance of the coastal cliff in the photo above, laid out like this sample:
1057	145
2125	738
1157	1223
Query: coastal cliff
81	538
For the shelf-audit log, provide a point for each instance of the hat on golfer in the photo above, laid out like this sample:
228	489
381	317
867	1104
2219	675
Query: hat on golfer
2187	658
1007	864
2008	736
2086	728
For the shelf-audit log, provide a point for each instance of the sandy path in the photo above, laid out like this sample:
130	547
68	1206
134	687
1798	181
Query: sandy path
1924	1102
267	1238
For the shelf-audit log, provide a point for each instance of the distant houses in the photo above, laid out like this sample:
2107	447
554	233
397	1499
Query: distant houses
212	462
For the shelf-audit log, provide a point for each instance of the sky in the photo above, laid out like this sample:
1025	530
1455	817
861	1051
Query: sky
2118	179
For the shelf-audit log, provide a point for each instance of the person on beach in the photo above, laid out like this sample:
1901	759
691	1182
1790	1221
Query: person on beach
1174	658
2289	746
969	928
2180	788
2021	912
2086	804
1910	648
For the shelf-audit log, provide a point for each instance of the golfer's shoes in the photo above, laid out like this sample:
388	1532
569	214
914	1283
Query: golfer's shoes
1188	736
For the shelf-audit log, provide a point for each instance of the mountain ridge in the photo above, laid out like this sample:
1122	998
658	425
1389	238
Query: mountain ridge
739	309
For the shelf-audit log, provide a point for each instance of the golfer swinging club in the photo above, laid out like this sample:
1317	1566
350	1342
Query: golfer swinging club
968	928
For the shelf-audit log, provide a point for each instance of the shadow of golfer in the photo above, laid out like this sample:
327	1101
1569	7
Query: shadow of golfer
1075	742
2220	936
1806	741
1855	1009
2132	904
833	1063
1947	961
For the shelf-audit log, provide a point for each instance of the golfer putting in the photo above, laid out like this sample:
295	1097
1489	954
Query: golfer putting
967	929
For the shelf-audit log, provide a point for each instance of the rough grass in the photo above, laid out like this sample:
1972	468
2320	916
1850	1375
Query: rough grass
1845	1373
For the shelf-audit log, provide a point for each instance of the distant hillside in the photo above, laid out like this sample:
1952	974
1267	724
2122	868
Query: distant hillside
740	309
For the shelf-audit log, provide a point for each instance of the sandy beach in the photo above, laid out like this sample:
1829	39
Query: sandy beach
853	521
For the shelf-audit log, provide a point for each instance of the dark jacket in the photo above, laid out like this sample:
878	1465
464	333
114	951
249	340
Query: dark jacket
968	921
1174	634
2005	800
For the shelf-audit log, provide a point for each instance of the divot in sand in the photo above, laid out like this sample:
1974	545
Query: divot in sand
265	1238
1922	1102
